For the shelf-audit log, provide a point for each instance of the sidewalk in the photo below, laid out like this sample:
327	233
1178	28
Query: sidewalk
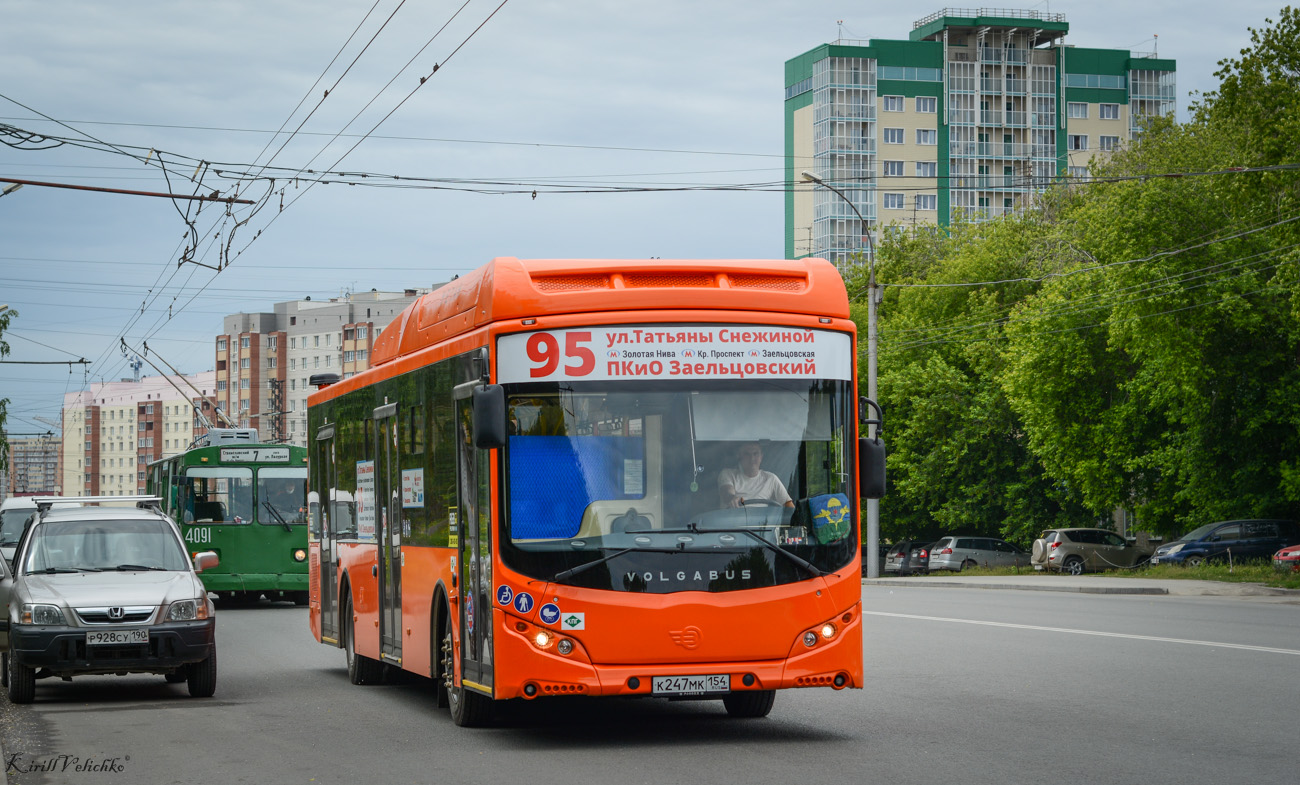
1086	584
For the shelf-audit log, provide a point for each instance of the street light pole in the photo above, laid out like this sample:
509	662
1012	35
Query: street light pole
872	544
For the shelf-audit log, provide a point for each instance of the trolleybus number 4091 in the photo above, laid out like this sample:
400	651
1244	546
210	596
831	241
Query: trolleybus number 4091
690	685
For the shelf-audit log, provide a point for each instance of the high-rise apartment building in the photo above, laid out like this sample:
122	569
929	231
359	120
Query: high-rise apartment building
264	360
970	118
33	466
113	430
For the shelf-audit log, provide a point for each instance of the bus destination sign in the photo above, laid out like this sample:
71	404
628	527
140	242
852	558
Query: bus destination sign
254	454
674	351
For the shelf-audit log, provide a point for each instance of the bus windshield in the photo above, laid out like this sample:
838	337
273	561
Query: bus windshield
282	495
654	486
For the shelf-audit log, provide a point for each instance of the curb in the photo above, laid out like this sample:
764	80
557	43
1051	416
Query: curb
1147	590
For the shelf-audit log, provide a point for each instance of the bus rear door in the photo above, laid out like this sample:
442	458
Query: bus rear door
388	501
326	527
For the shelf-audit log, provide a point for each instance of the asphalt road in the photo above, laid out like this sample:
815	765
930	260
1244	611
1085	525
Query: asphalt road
972	686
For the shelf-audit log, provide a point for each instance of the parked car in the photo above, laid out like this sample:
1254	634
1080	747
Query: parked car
1077	550
1246	539
959	553
917	561
1287	559
108	590
14	514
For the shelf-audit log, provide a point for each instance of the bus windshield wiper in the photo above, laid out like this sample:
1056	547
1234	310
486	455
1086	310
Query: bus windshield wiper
572	571
277	515
694	528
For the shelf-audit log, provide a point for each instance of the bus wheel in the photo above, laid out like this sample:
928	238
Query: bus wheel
361	670
468	708
752	703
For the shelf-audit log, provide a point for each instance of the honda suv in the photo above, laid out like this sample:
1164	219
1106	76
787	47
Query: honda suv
108	590
1075	551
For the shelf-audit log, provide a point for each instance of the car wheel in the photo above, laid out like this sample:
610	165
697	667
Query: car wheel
361	670
201	677
750	703
967	565
4	669
22	682
1073	566
1194	561
468	708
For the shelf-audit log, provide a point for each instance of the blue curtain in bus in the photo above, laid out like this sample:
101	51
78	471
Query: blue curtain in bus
554	478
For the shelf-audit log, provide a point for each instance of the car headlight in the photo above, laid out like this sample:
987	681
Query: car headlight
37	613
1175	548
187	610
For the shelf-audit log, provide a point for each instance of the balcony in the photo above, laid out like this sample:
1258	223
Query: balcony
990	117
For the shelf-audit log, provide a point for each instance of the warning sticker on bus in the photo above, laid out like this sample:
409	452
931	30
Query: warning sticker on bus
674	351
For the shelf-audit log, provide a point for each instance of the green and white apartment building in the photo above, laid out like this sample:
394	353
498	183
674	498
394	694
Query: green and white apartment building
969	119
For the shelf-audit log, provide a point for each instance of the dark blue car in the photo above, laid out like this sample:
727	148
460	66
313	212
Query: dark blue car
1244	540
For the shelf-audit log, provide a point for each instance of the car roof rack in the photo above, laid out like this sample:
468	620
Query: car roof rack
44	503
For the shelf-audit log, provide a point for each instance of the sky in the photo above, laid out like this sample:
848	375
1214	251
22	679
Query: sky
567	98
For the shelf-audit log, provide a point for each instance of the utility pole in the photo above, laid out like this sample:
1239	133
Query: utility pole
872	545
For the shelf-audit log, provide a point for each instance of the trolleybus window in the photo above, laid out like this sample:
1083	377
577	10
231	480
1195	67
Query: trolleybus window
281	495
615	485
218	494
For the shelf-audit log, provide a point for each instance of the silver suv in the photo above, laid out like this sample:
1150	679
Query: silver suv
108	590
1077	550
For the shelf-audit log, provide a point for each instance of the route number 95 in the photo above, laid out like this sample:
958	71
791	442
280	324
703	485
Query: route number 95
544	350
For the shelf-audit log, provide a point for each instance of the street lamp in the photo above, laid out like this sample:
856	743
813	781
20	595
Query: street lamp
11	189
872	545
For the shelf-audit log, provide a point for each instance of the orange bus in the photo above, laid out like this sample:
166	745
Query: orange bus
634	478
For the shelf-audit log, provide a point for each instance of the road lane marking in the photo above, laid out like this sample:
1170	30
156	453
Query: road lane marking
1158	639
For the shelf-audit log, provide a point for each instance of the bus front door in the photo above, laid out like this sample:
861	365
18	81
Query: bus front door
388	503
475	553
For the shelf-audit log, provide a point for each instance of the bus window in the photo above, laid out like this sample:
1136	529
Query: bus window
219	494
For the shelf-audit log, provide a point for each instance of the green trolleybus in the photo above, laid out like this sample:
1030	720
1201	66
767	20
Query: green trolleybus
248	502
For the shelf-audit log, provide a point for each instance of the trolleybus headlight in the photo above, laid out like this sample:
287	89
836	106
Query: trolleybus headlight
565	646
300	555
542	639
828	630
810	638
36	613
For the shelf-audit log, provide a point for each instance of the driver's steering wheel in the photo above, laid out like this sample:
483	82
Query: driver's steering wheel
760	502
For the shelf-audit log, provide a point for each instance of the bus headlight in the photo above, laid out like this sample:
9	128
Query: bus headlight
828	630
542	639
300	555
810	638
565	646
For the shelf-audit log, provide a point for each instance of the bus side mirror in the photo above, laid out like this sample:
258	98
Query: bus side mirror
871	451
489	417
871	467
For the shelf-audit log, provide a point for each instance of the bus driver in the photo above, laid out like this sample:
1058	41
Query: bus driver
749	481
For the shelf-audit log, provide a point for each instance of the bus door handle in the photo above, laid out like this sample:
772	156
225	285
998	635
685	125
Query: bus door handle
374	570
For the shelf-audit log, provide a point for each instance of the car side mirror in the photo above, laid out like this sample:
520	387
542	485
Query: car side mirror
205	560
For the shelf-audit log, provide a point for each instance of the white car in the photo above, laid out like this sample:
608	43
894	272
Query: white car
14	514
107	590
